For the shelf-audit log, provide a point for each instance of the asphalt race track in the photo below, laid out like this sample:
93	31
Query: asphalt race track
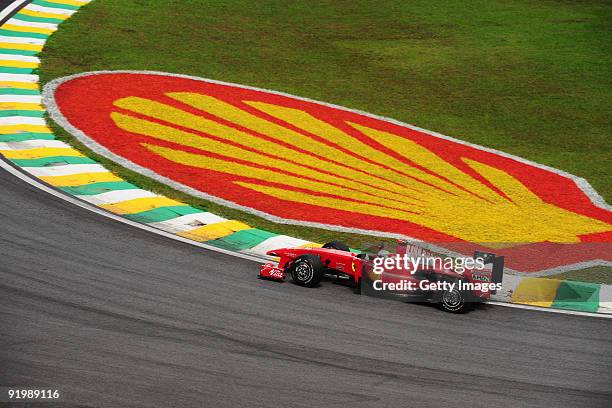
115	316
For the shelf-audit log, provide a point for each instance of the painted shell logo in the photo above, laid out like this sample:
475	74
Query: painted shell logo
301	161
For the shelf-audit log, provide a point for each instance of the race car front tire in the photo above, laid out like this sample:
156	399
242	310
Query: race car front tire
307	270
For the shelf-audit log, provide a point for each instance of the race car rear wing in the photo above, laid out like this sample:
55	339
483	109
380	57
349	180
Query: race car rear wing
497	266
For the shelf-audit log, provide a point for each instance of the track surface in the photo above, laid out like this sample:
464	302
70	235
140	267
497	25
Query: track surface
115	316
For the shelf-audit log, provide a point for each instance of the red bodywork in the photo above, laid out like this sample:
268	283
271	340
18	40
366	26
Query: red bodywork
340	261
348	263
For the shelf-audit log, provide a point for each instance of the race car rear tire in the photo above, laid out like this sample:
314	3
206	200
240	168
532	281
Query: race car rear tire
339	245
307	270
453	301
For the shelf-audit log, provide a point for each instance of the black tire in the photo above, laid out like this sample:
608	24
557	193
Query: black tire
453	301
307	270
339	245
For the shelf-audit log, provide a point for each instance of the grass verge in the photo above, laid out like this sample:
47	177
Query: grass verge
596	274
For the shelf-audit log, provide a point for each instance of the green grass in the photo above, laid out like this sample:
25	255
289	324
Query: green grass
531	78
597	274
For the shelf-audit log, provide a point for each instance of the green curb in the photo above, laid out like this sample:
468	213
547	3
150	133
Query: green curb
581	296
11	33
33	19
29	113
44	3
18	52
17	91
20	137
11	70
162	213
48	161
99	188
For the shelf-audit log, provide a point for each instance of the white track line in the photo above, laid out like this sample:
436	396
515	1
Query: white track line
22	120
21	98
21	23
550	310
30	78
35	183
8	10
24	58
43	9
66	170
34	144
22	40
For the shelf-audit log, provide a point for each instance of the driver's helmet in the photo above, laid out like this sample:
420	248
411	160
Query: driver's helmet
383	253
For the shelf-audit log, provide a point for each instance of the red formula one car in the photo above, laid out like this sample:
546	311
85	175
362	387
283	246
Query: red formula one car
400	273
